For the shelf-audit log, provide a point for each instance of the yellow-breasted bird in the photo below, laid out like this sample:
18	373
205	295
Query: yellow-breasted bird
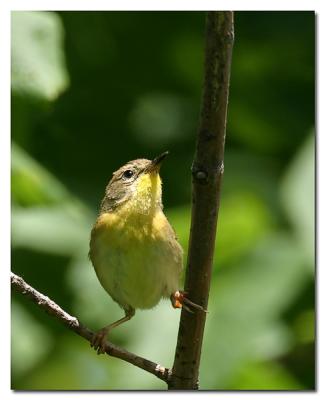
133	248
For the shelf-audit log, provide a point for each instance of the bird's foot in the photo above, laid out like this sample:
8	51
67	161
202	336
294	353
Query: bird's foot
98	341
179	300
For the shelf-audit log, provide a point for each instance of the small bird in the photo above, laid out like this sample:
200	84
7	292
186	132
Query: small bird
133	248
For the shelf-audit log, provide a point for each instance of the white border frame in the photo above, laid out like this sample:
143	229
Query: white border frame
5	8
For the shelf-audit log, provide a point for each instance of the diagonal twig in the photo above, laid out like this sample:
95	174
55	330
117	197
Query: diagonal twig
73	324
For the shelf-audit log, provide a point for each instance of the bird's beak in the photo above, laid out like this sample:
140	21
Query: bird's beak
155	164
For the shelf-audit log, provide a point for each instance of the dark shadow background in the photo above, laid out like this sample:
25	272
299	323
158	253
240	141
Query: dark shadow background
93	90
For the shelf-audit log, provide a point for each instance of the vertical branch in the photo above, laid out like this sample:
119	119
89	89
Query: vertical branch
207	171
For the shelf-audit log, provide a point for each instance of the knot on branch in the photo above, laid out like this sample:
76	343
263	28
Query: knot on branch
229	37
203	175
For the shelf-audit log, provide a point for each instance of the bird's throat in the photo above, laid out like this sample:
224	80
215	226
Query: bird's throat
146	199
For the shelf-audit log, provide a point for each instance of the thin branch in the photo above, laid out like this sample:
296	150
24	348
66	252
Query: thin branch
73	323
207	171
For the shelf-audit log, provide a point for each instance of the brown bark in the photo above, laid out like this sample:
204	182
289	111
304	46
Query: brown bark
207	172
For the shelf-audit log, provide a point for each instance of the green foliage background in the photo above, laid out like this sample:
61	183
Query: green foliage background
92	90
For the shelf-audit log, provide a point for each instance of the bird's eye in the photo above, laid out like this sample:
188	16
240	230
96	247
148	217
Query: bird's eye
127	174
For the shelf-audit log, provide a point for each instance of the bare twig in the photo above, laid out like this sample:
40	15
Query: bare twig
72	323
207	171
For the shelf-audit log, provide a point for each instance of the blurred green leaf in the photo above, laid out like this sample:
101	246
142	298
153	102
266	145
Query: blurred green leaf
57	223
304	326
26	336
298	198
71	368
246	303
75	366
38	66
58	230
265	376
243	218
32	184
166	117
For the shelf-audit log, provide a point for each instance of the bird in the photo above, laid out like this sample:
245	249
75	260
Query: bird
134	250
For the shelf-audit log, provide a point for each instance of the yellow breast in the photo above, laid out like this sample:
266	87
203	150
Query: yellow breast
134	250
121	226
137	264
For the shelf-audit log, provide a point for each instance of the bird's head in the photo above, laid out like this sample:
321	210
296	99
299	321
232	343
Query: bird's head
135	187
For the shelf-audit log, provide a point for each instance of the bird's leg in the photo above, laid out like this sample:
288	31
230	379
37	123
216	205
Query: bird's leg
98	341
180	300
